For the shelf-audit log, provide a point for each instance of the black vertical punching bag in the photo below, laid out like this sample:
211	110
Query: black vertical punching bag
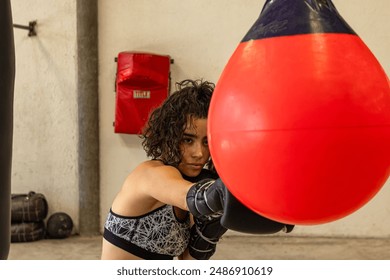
7	76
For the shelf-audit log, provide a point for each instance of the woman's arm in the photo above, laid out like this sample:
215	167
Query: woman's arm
186	256
165	184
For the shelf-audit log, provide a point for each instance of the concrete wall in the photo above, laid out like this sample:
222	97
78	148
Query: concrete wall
45	151
200	35
56	150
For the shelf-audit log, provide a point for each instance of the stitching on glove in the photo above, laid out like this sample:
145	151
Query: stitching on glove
201	251
205	238
202	188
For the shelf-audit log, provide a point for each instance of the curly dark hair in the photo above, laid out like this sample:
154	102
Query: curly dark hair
164	130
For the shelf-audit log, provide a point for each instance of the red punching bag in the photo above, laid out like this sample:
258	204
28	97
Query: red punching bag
299	123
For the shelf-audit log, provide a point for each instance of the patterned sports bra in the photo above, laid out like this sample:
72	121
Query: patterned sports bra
158	234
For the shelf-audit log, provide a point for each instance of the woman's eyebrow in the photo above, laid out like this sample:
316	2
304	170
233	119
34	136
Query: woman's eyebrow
189	134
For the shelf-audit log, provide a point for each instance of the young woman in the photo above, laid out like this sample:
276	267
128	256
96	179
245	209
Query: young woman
149	217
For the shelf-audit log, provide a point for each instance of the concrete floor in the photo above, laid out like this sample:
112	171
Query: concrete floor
230	248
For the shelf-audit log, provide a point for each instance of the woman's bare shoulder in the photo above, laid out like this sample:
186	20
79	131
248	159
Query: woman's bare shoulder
161	182
157	169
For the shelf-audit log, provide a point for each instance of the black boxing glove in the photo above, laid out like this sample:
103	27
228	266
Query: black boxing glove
240	218
206	198
205	234
210	198
205	201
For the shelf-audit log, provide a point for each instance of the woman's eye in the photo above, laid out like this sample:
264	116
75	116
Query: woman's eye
187	140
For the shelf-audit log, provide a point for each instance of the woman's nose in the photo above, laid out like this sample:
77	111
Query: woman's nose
198	150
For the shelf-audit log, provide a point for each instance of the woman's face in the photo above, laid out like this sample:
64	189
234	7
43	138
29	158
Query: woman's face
194	148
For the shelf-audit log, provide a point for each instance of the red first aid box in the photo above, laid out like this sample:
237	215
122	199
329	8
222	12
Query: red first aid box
142	84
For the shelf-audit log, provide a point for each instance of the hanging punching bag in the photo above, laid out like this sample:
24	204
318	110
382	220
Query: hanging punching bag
299	123
7	74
